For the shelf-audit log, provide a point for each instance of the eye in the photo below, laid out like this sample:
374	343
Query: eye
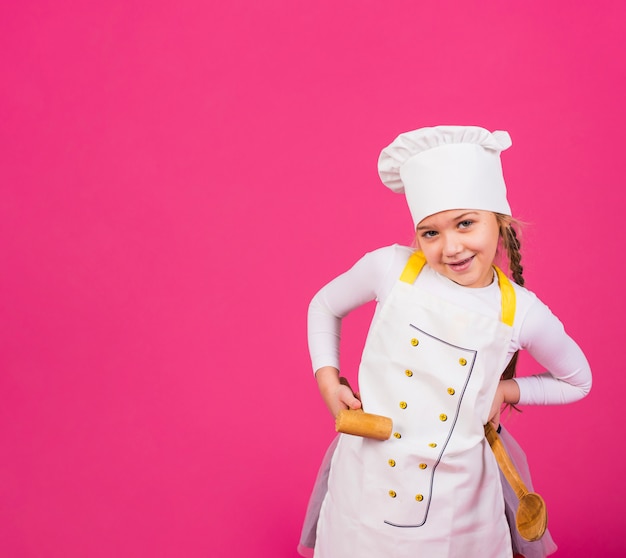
466	223
429	234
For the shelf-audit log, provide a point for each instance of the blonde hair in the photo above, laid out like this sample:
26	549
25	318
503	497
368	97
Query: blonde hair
510	243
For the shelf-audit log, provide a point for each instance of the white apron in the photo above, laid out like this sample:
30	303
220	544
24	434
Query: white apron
433	489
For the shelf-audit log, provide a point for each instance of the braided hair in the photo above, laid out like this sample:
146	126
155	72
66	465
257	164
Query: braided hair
512	245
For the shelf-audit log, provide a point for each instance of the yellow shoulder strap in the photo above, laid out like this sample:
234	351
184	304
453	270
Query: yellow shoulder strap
413	267
507	293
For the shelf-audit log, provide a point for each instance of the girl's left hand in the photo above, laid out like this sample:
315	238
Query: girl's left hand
507	392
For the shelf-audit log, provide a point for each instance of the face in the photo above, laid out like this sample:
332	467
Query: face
461	245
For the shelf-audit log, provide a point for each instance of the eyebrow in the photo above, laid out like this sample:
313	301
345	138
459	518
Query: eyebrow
457	218
465	215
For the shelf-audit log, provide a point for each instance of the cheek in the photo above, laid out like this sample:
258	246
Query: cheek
492	251
430	253
495	239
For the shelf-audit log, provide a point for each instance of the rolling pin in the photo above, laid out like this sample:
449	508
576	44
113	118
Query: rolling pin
359	423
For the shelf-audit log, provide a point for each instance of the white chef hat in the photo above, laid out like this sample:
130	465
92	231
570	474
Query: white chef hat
447	167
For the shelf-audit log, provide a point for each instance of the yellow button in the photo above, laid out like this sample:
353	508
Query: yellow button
432	445
451	391
408	373
419	497
392	493
423	465
392	463
403	404
443	417
414	342
397	435
462	362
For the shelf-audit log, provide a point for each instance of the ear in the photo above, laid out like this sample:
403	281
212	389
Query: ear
503	220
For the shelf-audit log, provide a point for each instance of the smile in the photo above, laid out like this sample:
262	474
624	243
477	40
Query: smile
461	265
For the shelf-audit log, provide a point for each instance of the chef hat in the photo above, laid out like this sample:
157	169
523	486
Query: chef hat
447	167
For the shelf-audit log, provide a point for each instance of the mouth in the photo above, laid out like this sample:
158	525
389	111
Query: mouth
461	265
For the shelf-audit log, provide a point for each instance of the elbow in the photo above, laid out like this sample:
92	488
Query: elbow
584	387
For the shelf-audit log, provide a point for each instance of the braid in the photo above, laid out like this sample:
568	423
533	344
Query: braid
512	245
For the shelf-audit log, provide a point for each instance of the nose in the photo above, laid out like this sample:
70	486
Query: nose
451	245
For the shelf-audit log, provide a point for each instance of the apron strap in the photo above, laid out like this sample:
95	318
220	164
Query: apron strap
413	267
507	293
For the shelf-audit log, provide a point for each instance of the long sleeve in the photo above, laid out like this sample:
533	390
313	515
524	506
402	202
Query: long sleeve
369	279
568	374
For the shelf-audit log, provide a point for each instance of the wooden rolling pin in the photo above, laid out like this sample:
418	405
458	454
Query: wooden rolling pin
359	423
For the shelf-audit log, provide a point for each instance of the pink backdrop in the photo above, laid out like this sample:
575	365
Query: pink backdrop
179	177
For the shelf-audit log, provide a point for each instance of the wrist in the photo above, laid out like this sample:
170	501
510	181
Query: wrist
510	391
328	380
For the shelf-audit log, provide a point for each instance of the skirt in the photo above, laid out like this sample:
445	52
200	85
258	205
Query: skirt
523	548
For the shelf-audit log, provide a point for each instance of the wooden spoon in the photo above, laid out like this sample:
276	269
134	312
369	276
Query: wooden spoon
531	517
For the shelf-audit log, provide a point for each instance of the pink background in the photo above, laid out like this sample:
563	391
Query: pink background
180	177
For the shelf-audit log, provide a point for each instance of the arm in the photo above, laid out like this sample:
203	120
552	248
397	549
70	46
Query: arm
568	375
365	281
335	301
507	392
335	391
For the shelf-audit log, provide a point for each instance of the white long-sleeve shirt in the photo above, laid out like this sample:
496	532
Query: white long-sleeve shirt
535	329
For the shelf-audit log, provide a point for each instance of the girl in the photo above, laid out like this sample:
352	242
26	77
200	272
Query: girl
446	324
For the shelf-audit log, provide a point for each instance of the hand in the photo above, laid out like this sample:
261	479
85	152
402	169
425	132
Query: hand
336	391
496	407
507	392
344	398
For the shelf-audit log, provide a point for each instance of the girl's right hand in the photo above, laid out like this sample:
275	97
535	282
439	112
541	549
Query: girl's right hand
346	399
336	391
